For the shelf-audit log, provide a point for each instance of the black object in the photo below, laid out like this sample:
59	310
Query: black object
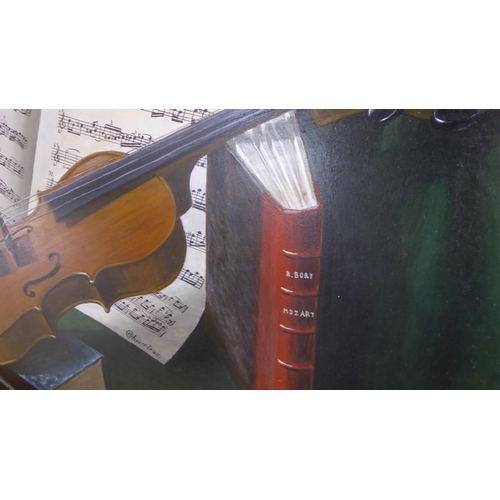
444	119
454	119
383	116
53	364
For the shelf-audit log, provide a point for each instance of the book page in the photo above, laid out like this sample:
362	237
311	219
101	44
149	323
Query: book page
274	155
18	133
158	323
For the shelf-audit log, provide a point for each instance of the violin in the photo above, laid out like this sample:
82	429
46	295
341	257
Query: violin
92	238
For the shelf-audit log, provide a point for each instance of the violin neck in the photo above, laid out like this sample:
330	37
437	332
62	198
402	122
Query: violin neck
194	141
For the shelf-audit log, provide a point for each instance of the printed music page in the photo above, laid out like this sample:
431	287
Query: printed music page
158	323
18	134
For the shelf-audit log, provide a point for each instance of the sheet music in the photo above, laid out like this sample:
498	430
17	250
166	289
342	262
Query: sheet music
18	134
158	323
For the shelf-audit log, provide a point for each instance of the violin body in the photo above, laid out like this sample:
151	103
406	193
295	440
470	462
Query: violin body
109	229
129	244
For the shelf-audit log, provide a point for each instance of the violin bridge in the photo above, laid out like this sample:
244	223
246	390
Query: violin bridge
23	249
7	260
14	251
6	237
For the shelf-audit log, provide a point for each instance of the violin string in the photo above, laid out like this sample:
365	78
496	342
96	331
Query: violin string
70	181
25	202
3	242
43	203
82	185
145	151
22	204
106	184
130	154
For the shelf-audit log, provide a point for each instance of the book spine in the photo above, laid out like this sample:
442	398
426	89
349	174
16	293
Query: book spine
289	281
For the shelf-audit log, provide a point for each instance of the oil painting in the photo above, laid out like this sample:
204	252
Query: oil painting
264	249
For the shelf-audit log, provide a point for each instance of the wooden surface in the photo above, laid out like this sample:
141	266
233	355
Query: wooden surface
134	244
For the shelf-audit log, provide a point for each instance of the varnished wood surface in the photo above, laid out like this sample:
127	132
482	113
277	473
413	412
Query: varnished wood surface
133	244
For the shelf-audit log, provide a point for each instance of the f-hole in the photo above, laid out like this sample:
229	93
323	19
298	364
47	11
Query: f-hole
52	256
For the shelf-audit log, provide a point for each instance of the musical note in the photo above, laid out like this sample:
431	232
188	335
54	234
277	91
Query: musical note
173	301
193	279
122	306
12	165
108	132
51	181
179	305
8	193
74	135
136	315
143	302
165	314
157	320
26	112
13	135
180	115
198	197
66	158
155	325
197	241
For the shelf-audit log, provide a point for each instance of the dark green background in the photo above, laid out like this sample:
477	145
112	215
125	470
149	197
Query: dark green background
411	290
410	286
195	366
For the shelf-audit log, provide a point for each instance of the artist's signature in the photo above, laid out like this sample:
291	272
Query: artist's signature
147	347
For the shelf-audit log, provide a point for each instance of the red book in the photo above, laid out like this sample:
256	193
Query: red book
264	243
288	296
